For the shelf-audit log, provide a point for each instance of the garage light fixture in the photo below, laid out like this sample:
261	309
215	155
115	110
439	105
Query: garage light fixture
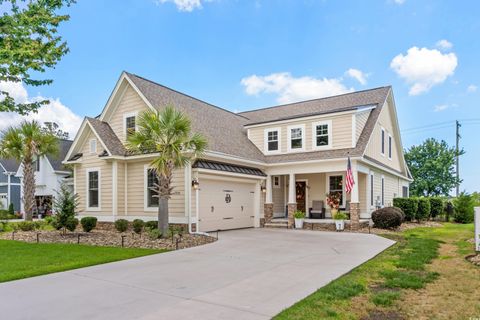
195	184
263	189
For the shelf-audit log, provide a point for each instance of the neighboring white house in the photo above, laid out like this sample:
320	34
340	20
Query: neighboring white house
50	173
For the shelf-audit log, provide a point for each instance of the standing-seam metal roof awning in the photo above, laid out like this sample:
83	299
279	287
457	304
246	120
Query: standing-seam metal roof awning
220	166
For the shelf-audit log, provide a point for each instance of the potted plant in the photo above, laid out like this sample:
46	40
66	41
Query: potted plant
299	216
340	218
333	201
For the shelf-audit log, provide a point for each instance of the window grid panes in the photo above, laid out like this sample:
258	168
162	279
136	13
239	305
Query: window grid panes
272	139
336	186
152	179
93	189
322	135
130	124
296	138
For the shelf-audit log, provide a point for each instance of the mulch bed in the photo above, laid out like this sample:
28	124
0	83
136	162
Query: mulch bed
405	226
111	239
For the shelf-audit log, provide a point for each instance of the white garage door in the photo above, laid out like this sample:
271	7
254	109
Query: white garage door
226	205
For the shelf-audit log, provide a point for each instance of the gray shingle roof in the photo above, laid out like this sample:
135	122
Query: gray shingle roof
109	138
10	165
56	160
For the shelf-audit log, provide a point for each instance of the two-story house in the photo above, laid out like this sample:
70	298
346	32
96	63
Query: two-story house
260	165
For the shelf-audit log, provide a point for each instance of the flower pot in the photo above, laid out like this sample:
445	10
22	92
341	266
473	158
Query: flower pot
339	225
298	223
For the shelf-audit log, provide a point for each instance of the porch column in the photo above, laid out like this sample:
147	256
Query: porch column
354	200
292	201
268	206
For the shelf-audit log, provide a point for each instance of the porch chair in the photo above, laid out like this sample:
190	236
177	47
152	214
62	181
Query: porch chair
317	211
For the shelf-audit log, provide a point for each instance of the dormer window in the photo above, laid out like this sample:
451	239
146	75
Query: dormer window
296	138
272	140
130	125
93	146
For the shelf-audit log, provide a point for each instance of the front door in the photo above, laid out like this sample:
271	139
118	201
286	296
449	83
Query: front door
301	191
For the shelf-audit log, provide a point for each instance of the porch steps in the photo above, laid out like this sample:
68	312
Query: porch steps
277	224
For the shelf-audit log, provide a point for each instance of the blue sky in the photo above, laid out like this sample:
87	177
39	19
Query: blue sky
247	54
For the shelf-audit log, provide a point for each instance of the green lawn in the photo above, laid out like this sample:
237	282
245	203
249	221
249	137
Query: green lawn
378	286
21	260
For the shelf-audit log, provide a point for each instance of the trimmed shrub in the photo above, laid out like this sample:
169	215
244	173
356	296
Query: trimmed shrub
11	210
154	234
387	218
151	225
464	208
423	211
138	225
88	223
409	207
49	220
71	224
121	225
436	206
26	226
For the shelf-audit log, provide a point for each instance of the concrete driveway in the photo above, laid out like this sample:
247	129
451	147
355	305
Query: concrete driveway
247	274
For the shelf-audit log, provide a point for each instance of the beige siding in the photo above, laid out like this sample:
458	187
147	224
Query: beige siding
374	148
129	103
361	120
136	192
362	192
393	187
121	188
93	161
341	132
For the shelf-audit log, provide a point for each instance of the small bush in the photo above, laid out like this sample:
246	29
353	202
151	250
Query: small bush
121	225
387	218
409	207
154	234
26	226
423	211
138	225
11	210
38	225
49	220
88	223
464	208
340	216
299	214
436	206
150	225
71	224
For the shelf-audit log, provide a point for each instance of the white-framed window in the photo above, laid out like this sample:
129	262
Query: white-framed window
276	182
129	123
389	147
272	140
93	146
37	165
383	191
405	191
296	138
150	196
93	189
335	185
383	142
322	134
372	188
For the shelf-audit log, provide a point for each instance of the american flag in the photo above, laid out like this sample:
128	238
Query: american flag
350	182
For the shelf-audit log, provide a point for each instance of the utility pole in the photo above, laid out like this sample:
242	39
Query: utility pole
457	149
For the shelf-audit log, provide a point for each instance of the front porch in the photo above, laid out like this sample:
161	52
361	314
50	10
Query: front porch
308	194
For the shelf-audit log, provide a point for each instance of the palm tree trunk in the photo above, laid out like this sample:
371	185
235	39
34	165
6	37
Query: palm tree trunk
163	216
28	189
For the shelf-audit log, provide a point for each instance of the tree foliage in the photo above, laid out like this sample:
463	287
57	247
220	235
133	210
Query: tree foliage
464	208
65	205
169	133
26	143
29	44
432	165
54	129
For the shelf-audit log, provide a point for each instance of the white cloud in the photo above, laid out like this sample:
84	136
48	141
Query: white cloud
291	89
185	5
472	88
357	75
424	68
55	111
444	44
440	107
399	1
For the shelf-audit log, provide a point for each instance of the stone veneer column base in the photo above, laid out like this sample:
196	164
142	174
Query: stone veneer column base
292	207
268	212
354	216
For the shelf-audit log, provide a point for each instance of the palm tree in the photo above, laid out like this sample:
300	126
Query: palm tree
26	143
168	133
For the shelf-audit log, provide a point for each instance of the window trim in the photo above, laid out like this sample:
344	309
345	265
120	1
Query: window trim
265	140
289	138
37	165
87	188
344	194
390	147
408	191
274	184
314	135
93	142
128	115
145	189
382	142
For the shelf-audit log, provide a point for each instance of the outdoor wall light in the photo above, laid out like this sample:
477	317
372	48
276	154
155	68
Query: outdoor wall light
263	189
195	184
